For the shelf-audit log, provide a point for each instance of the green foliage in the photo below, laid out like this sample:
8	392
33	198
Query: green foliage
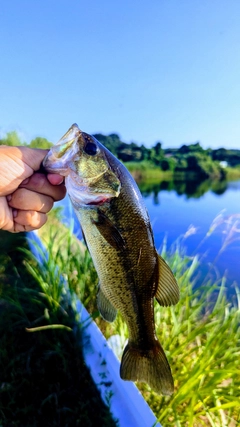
191	160
156	154
39	142
232	157
200	164
201	337
112	142
43	377
168	164
146	172
71	257
125	152
12	139
191	148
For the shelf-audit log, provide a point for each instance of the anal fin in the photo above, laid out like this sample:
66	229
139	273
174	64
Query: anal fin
106	309
167	291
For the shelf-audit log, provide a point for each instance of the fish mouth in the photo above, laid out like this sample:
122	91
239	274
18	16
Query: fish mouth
57	159
87	183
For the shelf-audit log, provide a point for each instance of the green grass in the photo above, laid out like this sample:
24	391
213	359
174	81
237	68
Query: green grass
43	377
201	337
233	173
148	172
201	334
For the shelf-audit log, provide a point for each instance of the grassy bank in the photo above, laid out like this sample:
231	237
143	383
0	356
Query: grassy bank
201	335
233	173
148	172
43	377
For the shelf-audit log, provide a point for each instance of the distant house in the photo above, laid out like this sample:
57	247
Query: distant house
223	163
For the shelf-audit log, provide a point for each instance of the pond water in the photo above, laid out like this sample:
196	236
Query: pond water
204	218
208	225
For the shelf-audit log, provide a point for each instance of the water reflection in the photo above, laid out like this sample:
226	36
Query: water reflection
211	211
190	188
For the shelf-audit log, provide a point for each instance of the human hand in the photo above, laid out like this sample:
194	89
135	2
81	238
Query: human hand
25	194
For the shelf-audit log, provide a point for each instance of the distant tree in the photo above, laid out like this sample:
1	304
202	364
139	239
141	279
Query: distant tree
158	149
165	165
40	142
144	152
122	150
193	162
112	141
156	154
168	164
220	154
191	148
183	149
232	157
114	136
196	148
12	138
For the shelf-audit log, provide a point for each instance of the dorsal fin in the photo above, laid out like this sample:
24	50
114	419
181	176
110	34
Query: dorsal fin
167	291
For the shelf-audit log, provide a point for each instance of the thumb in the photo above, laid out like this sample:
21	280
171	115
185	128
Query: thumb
17	164
32	157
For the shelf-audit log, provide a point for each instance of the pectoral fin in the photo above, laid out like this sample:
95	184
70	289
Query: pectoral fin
106	309
84	239
109	231
167	291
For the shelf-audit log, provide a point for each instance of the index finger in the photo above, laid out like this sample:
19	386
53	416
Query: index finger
39	183
55	179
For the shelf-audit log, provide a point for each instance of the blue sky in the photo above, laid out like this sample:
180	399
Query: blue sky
149	70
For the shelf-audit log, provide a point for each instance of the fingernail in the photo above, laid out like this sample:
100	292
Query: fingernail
25	181
15	212
9	197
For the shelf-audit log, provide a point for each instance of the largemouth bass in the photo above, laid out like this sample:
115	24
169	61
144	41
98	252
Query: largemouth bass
117	230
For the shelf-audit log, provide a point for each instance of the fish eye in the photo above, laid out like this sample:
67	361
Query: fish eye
90	148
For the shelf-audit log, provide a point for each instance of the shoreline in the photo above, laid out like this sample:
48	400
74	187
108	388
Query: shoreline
141	172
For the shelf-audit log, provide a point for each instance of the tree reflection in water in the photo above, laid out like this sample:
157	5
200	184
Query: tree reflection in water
190	188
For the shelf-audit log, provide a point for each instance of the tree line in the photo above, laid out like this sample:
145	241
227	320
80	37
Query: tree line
13	139
191	158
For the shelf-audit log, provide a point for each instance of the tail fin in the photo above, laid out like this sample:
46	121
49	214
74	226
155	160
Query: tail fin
150	366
